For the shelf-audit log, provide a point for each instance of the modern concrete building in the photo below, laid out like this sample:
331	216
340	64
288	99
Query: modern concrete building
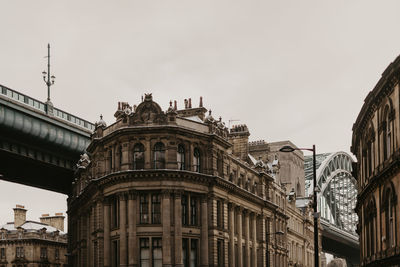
29	243
174	188
376	144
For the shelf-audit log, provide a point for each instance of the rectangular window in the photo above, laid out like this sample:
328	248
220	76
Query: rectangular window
156	209
219	214
184	210
185	252
220	252
115	213
144	252
43	253
157	252
19	252
2	253
193	252
115	253
57	254
144	209
193	211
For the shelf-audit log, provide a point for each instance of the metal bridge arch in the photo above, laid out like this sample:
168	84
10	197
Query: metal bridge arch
338	196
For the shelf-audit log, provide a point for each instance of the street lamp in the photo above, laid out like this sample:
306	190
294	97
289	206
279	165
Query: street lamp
266	237
315	191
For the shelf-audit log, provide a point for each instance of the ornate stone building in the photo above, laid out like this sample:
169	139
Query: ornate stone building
376	144
291	165
300	236
28	243
174	188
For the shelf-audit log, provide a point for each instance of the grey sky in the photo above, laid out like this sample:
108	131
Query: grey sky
296	70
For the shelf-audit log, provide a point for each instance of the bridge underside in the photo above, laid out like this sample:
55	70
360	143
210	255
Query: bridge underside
31	163
341	246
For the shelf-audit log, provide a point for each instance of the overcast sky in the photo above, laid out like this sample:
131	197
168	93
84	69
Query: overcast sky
290	70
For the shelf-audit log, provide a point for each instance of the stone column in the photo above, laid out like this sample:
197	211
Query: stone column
107	218
178	229
148	157
263	247
239	238
247	237
166	227
231	228
132	237
254	226
122	231
204	233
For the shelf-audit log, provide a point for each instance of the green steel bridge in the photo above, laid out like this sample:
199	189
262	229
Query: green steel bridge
39	144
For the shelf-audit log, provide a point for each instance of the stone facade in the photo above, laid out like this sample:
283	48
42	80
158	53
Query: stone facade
300	236
177	188
376	144
30	244
291	165
174	188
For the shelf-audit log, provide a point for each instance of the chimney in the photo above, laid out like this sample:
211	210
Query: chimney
56	221
239	138
201	102
190	103
19	215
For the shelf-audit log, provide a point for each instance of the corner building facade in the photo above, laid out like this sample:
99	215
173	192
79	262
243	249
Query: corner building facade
173	188
376	144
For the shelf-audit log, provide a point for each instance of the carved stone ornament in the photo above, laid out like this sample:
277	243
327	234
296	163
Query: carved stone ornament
148	112
83	161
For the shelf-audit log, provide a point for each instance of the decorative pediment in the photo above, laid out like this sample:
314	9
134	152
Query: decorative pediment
148	112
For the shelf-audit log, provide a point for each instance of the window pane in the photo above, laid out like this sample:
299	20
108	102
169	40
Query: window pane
159	156
144	209
181	157
156	208
138	157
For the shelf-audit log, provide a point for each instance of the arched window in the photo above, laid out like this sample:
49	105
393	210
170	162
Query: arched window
298	188
388	138
196	160
159	156
370	222
138	157
180	157
386	133
390	224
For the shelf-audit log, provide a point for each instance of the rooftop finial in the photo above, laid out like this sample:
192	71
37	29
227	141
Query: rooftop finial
50	78
101	116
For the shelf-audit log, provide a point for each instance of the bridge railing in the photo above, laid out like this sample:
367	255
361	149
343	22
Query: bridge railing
40	106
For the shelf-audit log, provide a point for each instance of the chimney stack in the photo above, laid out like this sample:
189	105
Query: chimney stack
19	215
56	221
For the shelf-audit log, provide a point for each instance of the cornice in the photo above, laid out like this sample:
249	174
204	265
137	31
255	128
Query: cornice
383	88
97	185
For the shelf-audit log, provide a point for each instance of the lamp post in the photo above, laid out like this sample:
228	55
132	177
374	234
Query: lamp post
266	237
315	190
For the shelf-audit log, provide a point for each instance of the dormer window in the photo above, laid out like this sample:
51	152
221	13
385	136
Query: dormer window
159	156
181	157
